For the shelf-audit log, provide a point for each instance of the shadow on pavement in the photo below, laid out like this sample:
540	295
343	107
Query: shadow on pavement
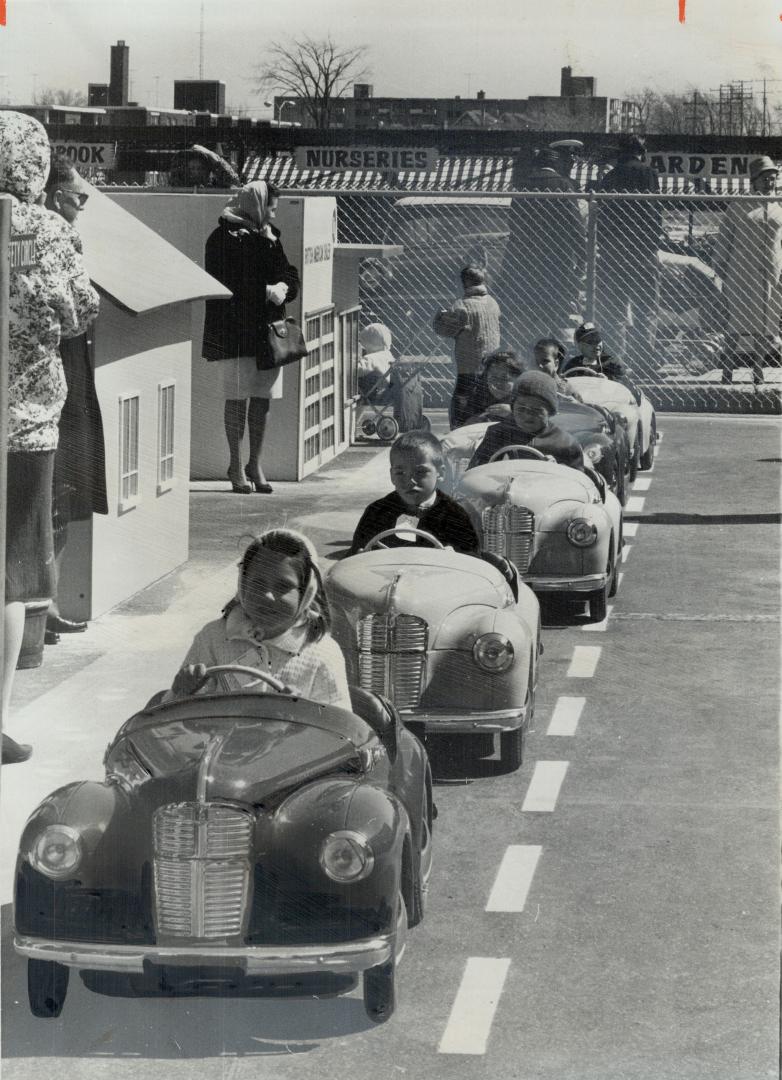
118	1022
706	519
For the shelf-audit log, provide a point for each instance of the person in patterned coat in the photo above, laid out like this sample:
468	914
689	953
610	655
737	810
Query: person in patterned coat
51	298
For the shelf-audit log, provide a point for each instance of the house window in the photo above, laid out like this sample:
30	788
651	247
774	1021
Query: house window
165	436
128	451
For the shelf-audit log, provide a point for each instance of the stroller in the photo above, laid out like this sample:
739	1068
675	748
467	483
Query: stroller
391	394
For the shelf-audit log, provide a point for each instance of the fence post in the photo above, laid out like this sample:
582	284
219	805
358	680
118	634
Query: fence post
591	256
5	274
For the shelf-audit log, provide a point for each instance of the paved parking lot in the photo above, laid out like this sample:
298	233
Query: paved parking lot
610	911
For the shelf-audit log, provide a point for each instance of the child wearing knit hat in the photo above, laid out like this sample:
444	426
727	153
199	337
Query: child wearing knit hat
533	407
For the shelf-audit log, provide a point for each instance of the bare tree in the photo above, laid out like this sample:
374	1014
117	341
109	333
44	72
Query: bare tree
646	101
317	71
51	96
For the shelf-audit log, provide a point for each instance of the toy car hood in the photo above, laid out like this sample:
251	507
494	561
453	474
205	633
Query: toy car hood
245	745
421	581
538	485
606	392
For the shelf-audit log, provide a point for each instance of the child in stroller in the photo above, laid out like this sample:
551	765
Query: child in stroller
389	391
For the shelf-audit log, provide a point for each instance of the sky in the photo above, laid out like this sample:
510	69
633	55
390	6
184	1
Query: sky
509	48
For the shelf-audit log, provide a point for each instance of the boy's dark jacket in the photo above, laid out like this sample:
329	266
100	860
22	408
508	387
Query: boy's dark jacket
445	520
556	442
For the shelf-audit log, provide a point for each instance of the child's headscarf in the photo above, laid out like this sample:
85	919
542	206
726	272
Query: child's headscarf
248	207
25	156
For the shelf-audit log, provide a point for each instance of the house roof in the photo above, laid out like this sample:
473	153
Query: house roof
138	269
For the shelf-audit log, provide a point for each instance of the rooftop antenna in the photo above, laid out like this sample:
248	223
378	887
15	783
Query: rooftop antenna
201	45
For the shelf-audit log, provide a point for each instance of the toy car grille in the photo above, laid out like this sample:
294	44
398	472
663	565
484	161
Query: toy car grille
508	531
202	869
392	657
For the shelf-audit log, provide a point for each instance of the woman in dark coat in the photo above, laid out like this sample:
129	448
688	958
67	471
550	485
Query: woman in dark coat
245	254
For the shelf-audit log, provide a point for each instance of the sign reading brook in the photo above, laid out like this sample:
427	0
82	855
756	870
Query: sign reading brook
340	158
92	155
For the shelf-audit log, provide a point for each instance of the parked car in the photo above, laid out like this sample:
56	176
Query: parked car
449	638
256	832
561	528
630	404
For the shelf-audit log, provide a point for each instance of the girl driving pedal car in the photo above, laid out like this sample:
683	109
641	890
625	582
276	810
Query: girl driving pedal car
278	622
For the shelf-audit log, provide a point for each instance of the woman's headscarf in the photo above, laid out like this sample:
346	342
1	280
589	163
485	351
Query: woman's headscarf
248	207
24	156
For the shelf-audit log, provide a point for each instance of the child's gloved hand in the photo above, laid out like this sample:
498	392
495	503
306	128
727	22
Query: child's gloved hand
276	294
187	679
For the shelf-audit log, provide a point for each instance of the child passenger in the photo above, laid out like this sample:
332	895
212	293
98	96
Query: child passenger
489	398
277	622
417	465
533	406
548	354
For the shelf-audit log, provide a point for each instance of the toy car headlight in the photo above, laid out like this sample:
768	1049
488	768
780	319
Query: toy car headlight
123	765
594	453
57	852
581	533
346	856
622	419
493	652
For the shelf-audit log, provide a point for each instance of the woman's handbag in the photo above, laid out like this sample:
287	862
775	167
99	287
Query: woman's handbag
284	343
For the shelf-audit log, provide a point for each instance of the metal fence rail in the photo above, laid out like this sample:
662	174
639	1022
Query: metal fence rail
685	289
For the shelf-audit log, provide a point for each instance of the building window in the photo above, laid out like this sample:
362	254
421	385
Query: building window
166	399
129	492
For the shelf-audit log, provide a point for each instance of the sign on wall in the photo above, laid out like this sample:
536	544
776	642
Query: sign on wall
701	165
341	158
87	155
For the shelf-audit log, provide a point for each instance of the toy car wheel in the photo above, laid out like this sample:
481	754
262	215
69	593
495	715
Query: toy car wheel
598	605
379	982
636	460
621	487
387	428
47	985
613	583
512	749
368	427
647	458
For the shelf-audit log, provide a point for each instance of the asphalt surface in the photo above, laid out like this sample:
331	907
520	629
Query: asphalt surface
609	911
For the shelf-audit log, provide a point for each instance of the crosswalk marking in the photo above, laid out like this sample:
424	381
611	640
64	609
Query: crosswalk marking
514	877
584	662
630	528
626	552
635	504
643	483
468	1027
566	715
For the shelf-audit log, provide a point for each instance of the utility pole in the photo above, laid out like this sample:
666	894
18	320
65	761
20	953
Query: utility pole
694	119
201	44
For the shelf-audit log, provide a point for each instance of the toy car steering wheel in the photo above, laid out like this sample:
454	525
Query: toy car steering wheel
242	669
375	541
527	451
585	371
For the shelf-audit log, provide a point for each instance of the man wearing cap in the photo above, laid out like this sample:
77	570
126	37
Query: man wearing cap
628	239
748	258
593	354
533	406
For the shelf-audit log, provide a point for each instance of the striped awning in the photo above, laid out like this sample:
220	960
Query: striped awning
489	172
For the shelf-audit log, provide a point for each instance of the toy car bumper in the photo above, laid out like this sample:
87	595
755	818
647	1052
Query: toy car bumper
466	722
352	956
586	584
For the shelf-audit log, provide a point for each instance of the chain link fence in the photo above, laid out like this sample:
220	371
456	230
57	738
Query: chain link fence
685	289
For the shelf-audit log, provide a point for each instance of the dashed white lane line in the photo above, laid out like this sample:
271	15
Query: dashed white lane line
630	528
566	715
477	998
544	787
659	438
626	552
599	626
584	662
635	504
514	877
643	483
619	577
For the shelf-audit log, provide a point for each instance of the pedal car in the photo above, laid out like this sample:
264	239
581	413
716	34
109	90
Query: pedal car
257	834
443	635
630	404
561	528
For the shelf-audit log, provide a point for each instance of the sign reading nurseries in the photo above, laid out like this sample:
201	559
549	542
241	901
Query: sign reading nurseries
341	158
